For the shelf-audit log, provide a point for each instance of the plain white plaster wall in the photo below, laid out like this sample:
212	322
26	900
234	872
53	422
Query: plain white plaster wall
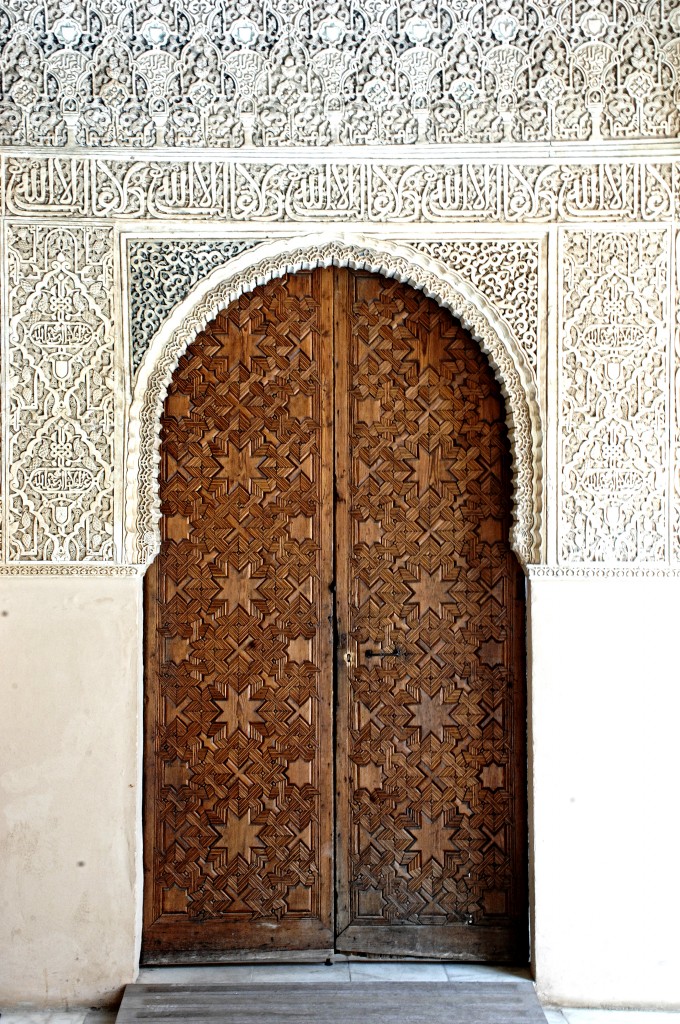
605	698
68	788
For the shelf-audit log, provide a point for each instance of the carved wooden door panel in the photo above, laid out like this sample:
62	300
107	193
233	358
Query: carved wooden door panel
431	833
334	463
239	792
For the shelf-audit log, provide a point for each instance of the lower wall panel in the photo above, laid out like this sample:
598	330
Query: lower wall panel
605	707
605	700
69	788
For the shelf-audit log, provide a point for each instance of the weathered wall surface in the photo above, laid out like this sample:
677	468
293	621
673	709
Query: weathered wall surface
69	789
155	159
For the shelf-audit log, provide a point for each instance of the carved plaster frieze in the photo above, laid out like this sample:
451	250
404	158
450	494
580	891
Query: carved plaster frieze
61	384
314	73
563	572
613	397
81	569
391	259
338	190
161	273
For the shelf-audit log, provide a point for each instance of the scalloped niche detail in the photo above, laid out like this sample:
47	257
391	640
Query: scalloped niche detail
271	260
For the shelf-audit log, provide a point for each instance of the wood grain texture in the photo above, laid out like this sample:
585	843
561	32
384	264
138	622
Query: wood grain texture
239	643
335	467
330	1003
210	957
430	732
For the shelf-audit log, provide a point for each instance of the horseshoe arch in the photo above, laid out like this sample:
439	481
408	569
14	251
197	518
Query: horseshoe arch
269	260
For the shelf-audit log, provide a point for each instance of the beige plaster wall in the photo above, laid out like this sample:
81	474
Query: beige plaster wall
69	782
605	715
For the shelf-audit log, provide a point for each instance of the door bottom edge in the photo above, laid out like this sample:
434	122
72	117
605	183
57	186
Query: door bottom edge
213	958
247	957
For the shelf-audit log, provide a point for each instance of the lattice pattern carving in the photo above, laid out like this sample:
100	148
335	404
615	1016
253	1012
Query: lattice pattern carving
436	733
161	274
310	73
238	629
62	385
613	396
226	189
507	273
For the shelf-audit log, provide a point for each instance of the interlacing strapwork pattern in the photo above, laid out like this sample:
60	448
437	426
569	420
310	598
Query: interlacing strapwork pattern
317	72
235	625
436	809
62	385
613	397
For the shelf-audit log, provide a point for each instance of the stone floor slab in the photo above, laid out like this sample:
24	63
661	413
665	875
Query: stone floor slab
302	1003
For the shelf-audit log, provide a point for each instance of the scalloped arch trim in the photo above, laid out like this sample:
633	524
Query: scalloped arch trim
270	260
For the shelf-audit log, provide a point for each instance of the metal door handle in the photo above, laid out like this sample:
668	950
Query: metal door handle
396	653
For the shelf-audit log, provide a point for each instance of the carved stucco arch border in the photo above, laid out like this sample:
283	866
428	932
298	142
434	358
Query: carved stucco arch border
270	260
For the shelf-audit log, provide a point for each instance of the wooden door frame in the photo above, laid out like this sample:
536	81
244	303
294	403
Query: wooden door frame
445	286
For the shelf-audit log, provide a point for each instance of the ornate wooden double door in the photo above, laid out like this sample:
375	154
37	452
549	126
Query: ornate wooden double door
334	644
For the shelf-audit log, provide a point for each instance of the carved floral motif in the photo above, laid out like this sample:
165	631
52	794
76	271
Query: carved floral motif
319	72
507	273
613	397
161	274
61	384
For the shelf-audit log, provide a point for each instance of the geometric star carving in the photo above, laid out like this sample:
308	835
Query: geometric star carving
238	710
238	837
429	592
432	715
430	838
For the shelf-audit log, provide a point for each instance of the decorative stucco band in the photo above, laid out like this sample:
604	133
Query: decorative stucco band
393	260
313	73
391	185
564	271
